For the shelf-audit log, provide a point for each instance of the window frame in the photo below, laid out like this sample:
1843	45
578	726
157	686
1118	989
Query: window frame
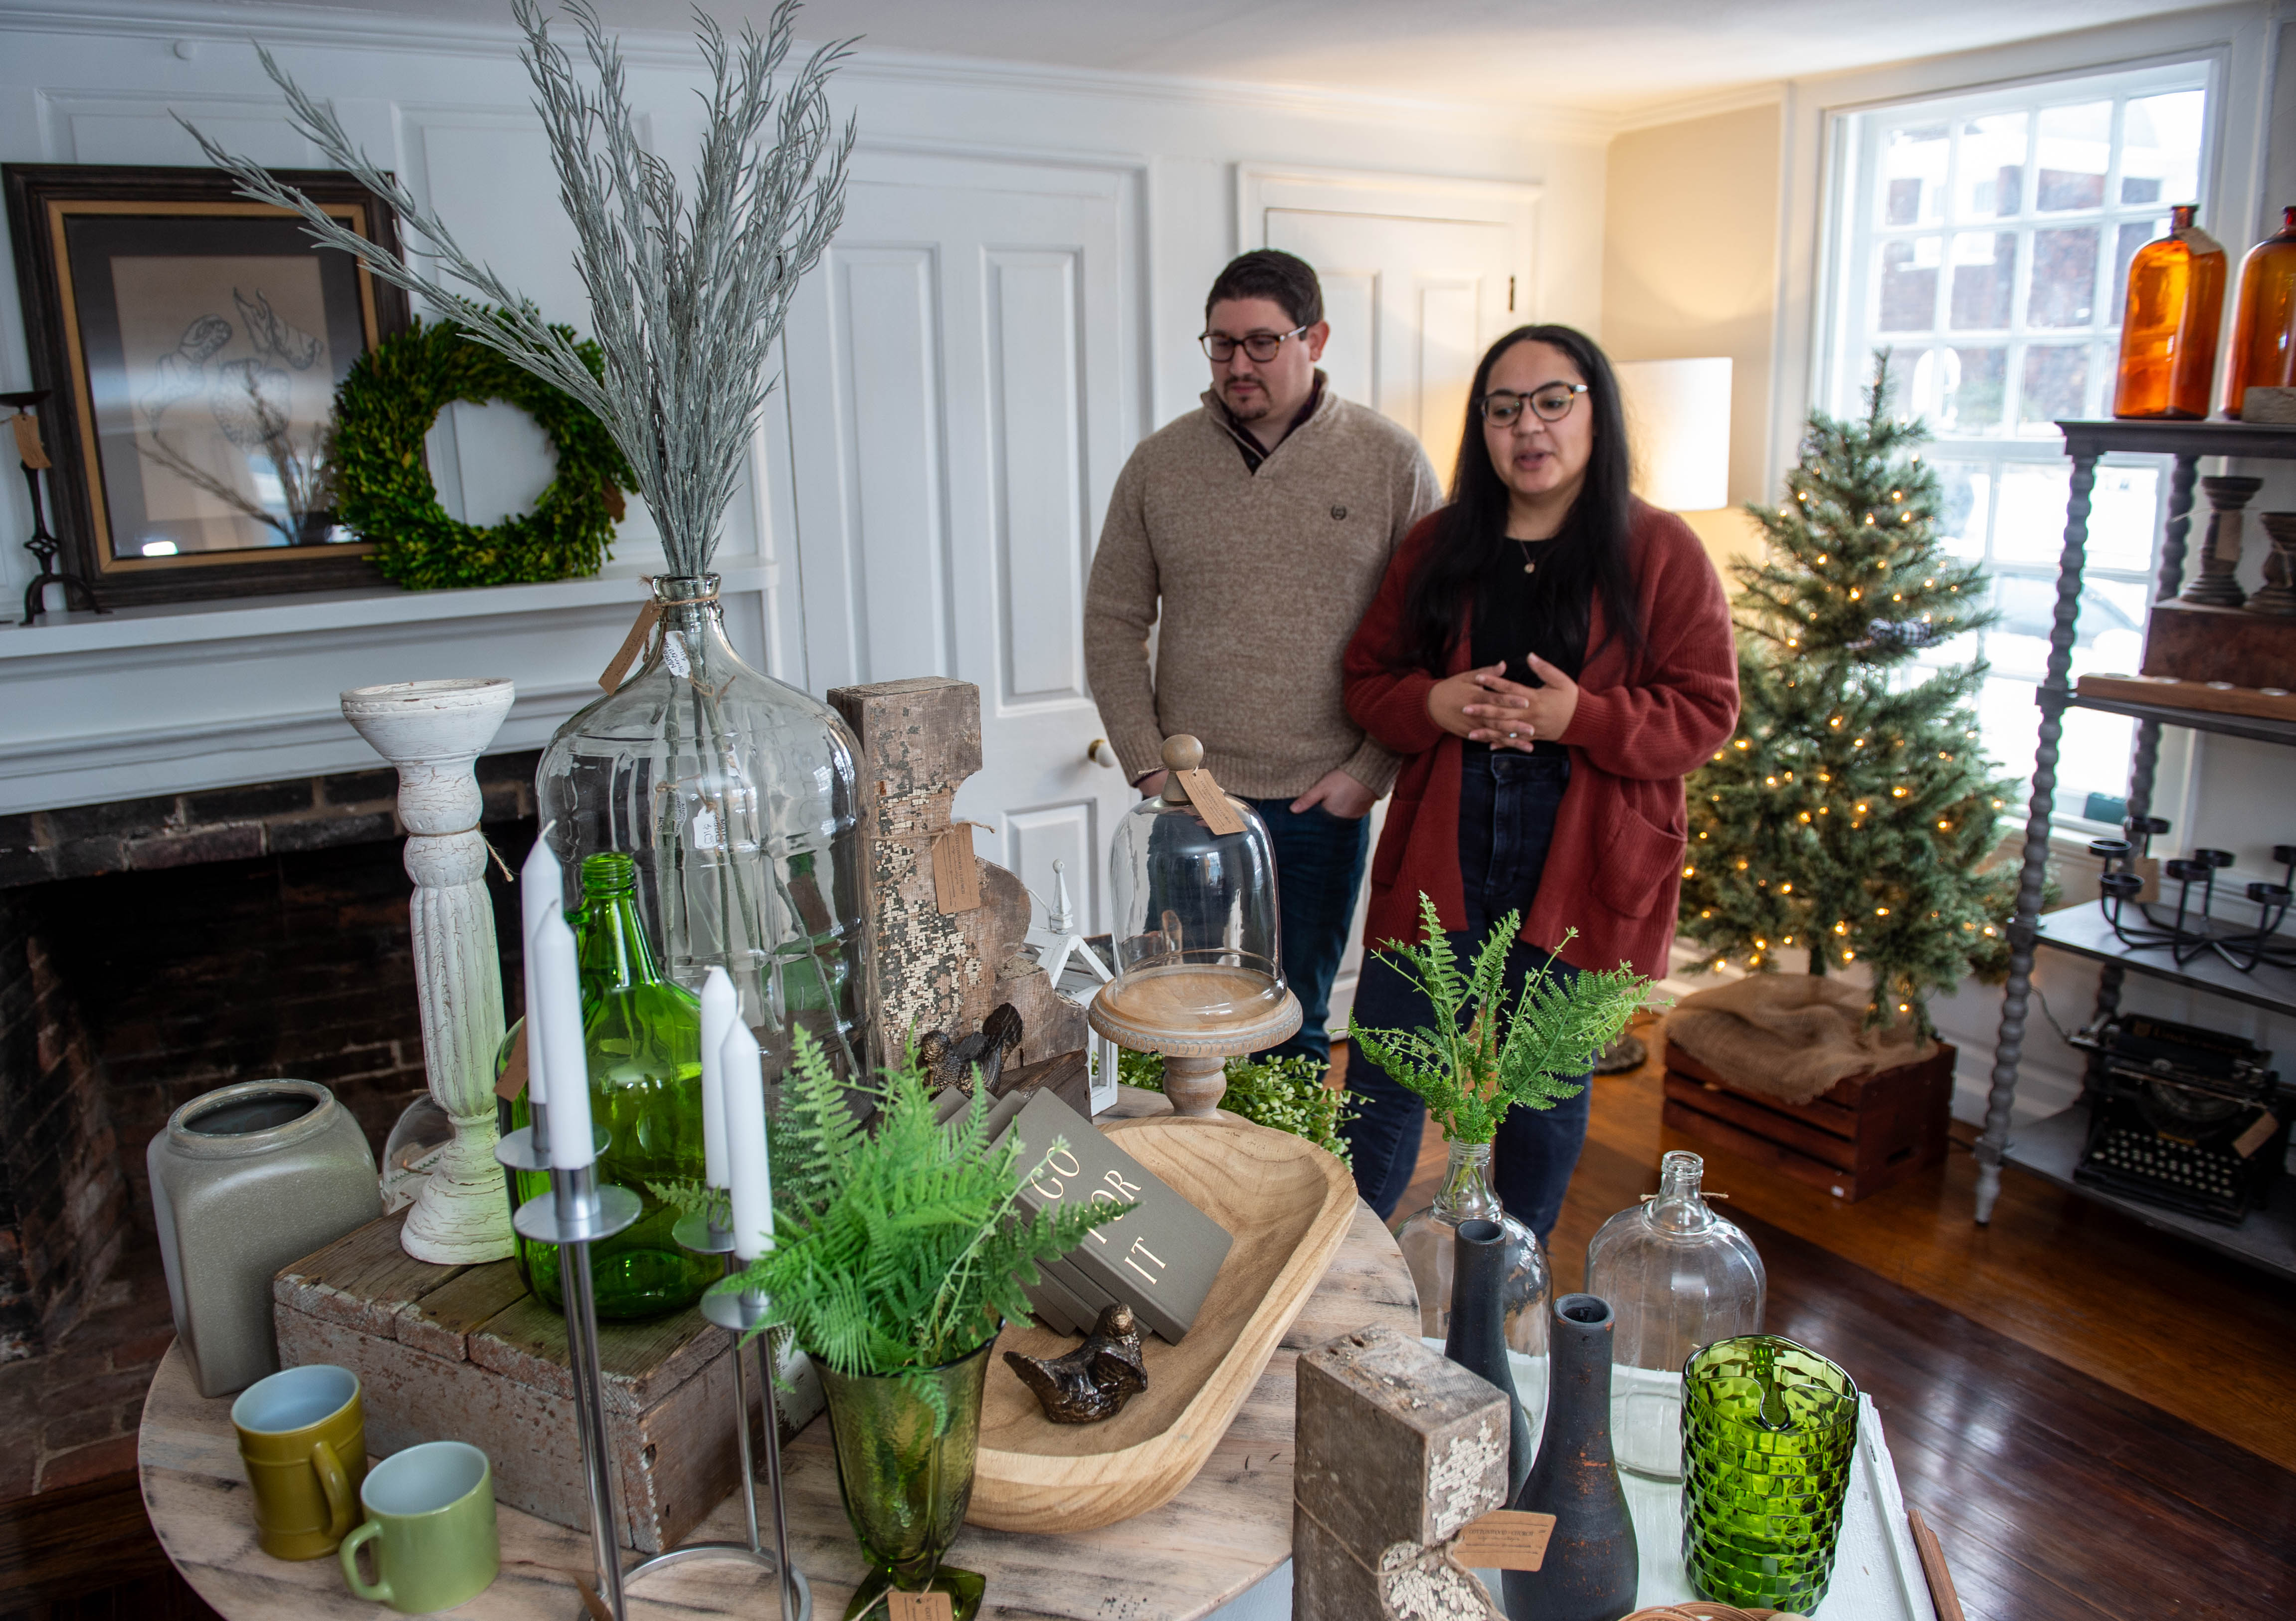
1849	235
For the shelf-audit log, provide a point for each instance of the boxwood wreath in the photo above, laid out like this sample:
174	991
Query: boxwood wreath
383	490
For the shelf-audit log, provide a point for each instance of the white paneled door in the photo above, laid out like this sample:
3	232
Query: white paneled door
965	379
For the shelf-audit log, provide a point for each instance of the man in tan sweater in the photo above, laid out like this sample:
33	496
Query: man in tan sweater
1250	536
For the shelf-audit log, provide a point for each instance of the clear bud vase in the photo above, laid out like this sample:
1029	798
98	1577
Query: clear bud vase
1679	1277
733	796
1429	1238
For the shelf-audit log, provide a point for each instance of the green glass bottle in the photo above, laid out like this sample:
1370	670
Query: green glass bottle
642	1036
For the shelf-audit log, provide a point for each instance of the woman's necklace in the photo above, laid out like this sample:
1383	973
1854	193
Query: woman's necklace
1530	560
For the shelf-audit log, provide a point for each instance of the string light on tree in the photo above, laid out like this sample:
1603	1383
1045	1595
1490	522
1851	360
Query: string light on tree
1830	622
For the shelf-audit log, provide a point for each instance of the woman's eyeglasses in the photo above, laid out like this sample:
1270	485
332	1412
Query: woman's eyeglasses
1259	345
1550	403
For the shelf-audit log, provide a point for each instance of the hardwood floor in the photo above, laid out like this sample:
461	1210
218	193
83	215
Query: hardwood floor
2094	1419
86	1552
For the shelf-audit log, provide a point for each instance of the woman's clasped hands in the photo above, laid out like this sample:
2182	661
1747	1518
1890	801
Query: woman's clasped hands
1483	706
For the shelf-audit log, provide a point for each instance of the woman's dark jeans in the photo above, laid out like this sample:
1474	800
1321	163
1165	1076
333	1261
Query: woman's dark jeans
1507	804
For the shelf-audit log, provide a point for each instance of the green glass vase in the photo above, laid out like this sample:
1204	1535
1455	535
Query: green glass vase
1769	1431
905	1470
643	1038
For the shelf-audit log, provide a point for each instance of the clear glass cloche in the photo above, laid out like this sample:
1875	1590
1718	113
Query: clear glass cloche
1196	944
1677	1277
733	796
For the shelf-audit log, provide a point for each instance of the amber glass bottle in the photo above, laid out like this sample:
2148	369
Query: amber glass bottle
2264	319
643	1036
2169	332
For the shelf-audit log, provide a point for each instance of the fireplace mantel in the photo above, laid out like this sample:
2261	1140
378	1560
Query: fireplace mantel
176	698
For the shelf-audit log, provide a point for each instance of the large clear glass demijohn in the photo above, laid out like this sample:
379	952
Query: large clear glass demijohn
1679	1277
1196	946
733	796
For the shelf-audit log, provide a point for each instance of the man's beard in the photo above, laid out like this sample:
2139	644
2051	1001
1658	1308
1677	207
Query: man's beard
1255	404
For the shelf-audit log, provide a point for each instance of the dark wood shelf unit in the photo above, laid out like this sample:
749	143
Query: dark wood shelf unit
2254	726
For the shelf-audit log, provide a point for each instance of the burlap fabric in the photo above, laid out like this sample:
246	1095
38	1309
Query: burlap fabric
1788	1037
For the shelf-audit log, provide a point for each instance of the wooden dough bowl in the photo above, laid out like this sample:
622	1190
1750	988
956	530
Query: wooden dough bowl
1287	1204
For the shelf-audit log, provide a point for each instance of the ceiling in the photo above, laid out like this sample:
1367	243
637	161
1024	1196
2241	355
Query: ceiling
1614	56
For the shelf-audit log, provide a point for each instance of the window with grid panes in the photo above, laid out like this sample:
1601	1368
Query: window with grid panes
1982	241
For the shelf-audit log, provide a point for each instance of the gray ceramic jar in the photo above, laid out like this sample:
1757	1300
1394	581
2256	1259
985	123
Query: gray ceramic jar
244	1179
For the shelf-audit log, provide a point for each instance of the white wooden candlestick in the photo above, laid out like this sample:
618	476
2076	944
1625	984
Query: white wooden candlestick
433	731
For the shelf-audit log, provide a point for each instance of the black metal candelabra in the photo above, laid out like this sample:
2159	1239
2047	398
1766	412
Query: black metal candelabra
44	546
2194	931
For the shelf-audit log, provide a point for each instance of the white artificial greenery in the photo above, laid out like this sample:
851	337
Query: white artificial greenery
686	295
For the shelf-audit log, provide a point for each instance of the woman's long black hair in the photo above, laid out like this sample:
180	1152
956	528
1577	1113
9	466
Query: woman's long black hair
1593	556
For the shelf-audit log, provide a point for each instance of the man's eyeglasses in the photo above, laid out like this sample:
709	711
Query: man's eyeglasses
1551	403
1259	345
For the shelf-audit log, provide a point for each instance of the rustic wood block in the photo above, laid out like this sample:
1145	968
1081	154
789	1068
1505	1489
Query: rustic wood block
1397	1442
466	1353
931	969
1868	1132
2187	641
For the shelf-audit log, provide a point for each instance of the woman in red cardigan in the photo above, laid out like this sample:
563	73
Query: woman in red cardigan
1553	654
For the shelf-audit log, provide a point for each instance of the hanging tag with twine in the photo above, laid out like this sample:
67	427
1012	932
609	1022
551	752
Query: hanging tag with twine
632	645
28	448
919	1606
512	1081
956	875
1211	804
1505	1539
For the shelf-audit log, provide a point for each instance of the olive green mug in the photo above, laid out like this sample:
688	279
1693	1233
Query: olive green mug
302	1440
431	1516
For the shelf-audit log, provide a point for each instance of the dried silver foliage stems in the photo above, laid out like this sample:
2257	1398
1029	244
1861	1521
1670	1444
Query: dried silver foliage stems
687	294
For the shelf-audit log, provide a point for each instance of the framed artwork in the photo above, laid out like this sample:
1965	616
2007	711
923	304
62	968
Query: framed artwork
194	340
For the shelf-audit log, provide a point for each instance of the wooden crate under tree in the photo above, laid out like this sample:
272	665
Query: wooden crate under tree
1866	1133
466	1353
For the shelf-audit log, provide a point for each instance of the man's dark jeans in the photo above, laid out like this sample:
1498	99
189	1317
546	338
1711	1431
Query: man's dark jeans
1319	864
1507	804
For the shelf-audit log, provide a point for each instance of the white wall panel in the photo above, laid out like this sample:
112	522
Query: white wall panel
1036	422
1067	834
888	337
1351	357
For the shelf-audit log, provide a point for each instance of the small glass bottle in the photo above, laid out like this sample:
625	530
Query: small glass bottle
642	1037
1428	1239
2169	330
2264	321
1679	1277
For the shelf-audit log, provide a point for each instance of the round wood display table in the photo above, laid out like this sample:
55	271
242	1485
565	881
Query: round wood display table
1230	1528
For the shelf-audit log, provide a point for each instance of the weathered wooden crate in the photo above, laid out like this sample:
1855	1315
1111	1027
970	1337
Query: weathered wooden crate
466	1353
1868	1132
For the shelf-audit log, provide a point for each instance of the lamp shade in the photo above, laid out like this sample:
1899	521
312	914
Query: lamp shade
1678	423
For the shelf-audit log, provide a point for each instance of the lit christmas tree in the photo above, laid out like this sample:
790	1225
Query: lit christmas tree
1850	814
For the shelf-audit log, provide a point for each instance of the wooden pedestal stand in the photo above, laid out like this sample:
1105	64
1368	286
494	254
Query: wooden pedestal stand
1195	1062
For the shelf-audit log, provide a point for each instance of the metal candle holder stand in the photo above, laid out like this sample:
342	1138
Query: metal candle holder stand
737	1311
2187	936
576	1214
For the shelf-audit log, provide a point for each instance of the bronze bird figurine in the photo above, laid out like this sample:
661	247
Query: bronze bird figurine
947	1063
1094	1381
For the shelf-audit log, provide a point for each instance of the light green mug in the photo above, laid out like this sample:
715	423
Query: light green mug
431	1516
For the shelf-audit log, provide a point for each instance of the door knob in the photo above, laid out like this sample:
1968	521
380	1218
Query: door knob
1100	753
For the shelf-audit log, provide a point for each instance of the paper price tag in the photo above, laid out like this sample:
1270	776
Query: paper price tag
1211	804
28	449
1505	1539
2249	1142
512	1081
632	645
919	1606
957	876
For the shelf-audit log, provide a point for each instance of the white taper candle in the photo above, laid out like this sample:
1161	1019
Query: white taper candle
541	892
558	995
721	1010
748	1163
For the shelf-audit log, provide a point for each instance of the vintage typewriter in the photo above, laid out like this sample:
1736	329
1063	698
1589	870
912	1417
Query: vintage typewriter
2182	1117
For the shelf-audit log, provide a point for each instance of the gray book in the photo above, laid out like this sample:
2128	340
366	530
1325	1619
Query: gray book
1160	1259
1059	1306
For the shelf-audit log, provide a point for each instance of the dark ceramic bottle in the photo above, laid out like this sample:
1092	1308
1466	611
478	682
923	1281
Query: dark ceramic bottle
1478	1338
1592	1563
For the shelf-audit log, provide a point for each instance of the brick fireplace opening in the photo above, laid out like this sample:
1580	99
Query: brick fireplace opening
152	951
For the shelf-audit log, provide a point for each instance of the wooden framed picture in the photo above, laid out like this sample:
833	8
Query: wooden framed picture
193	339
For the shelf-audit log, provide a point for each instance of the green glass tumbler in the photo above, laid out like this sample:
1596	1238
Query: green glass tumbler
905	1457
1769	1430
